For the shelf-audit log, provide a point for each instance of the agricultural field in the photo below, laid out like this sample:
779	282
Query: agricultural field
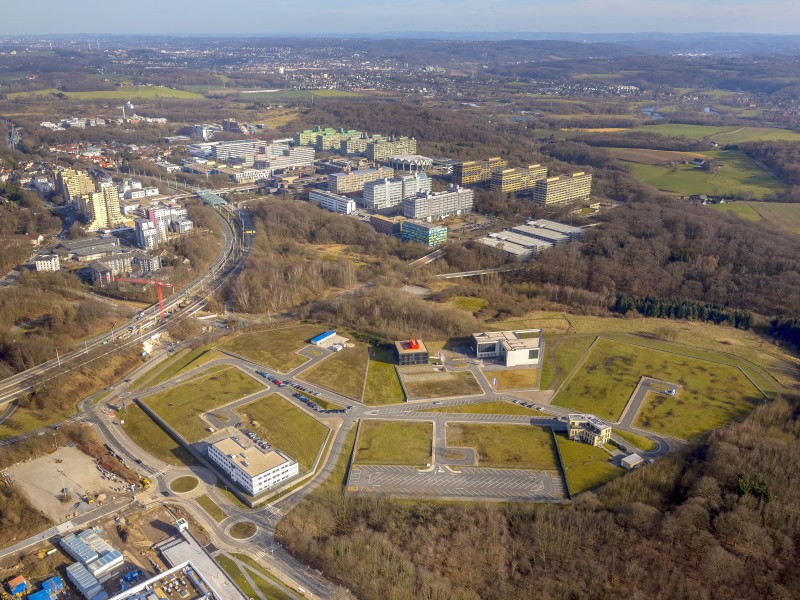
383	385
737	173
394	443
123	93
287	428
343	372
740	209
721	134
275	348
646	156
182	405
585	467
146	434
506	446
443	385
778	214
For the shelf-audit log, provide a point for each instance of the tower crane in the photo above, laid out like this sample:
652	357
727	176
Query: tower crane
158	284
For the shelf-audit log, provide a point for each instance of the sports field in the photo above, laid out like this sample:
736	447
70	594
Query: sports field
394	443
123	93
711	394
506	446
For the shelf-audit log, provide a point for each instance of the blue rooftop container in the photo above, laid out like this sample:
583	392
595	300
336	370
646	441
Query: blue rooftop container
53	585
317	340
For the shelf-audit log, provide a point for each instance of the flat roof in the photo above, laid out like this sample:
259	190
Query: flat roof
507	246
554	226
546	234
404	347
186	549
252	460
525	241
511	340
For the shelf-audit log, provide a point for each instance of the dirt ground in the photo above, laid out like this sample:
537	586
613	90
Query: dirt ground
41	480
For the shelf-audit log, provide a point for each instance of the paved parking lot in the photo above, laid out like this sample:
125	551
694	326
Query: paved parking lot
471	482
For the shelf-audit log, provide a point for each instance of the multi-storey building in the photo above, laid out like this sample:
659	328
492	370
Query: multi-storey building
385	193
333	202
381	150
513	348
357	146
106	270
283	156
588	429
101	208
389	226
353	181
477	172
74	184
563	189
47	262
327	138
424	233
147	235
437	205
253	468
411	352
164	218
517	180
241	151
250	175
410	163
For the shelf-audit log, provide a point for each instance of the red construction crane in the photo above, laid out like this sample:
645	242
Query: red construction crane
158	284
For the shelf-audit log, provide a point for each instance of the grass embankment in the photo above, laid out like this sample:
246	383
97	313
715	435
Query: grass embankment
343	372
183	361
286	427
641	442
265	581
274	348
182	405
497	407
234	572
383	385
506	446
394	443
444	385
212	508
585	467
155	441
711	394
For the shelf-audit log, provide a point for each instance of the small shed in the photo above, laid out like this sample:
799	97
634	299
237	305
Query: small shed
632	461
320	339
53	585
17	585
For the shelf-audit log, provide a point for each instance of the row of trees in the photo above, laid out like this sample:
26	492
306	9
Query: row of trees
673	308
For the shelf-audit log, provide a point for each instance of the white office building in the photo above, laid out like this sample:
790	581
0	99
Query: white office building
513	348
253	468
438	205
47	262
333	202
386	193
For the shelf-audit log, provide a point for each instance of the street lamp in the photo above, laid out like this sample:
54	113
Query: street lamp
55	441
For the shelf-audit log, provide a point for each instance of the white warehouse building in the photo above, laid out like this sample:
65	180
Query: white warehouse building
254	469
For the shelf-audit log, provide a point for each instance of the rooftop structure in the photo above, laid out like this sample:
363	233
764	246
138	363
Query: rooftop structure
97	561
318	340
254	468
588	429
513	348
411	352
569	230
631	461
546	235
410	162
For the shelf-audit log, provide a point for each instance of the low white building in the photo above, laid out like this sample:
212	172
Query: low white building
632	461
254	469
522	347
47	262
333	202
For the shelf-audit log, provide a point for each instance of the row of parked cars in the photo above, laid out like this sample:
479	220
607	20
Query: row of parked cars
305	399
527	404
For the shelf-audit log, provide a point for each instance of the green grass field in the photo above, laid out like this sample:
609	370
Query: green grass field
275	348
266	581
148	435
243	530
212	508
235	573
123	93
322	402
184	484
469	304
496	407
567	352
737	173
394	443
585	467
514	379
637	440
785	216
721	134
182	405
456	383
383	385
740	209
711	394
343	372
506	446
287	428
181	362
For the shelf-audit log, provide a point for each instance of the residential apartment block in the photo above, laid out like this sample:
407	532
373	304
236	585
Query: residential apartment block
353	181
477	172
147	234
437	205
564	189
73	184
168	218
385	193
333	202
101	208
381	150
47	262
424	233
517	180
253	468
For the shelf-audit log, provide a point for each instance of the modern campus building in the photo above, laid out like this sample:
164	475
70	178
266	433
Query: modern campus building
97	561
357	145
47	262
386	193
279	156
411	352
564	189
513	348
354	181
425	233
387	225
588	429
477	172
239	151
433	206
333	202
327	138
410	163
253	468
521	179
382	149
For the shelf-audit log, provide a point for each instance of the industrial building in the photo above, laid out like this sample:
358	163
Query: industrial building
410	163
47	262
517	180
424	233
354	181
319	340
382	149
93	248
254	468
572	232
588	429
333	202
433	206
564	189
97	561
386	193
477	172
411	352
513	348
533	237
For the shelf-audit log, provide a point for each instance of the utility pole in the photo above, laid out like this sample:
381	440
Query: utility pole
58	358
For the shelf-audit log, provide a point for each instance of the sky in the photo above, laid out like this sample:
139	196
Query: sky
275	17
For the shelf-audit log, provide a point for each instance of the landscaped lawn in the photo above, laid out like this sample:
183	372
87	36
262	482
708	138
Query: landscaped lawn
585	467
568	352
184	484
497	407
506	446
454	383
234	572
711	394
155	441
274	348
514	379
287	428
637	440
266	584
184	360
182	405
212	508
394	443
343	372
383	385
243	530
